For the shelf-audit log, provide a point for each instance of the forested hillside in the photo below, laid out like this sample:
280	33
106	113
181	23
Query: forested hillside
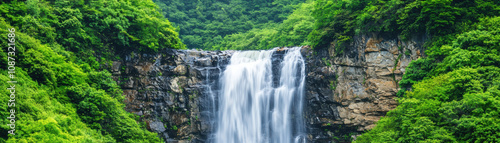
64	92
203	24
292	31
453	94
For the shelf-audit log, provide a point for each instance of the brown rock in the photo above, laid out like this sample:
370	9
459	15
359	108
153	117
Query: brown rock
371	45
178	84
180	70
364	76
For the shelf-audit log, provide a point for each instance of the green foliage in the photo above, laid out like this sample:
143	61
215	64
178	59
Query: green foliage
64	92
441	17
292	32
250	40
84	27
408	53
327	62
205	24
174	127
416	71
54	101
334	22
332	85
454	100
338	20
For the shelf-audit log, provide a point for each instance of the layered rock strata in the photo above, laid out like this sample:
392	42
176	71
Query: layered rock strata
174	91
166	90
348	91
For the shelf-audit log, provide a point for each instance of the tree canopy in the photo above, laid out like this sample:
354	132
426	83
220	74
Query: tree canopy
204	24
65	92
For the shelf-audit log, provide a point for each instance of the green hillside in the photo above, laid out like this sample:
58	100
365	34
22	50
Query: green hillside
203	24
64	92
453	94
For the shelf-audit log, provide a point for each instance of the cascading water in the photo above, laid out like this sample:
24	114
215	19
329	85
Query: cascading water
253	109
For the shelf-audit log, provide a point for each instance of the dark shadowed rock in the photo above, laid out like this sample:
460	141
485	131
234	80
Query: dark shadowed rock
157	127
165	90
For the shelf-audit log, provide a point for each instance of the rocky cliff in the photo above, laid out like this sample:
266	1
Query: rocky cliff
165	90
347	92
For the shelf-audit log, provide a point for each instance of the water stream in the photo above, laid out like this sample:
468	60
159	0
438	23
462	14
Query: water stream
260	101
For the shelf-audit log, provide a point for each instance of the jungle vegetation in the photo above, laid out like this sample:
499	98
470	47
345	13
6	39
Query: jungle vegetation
452	94
205	24
65	49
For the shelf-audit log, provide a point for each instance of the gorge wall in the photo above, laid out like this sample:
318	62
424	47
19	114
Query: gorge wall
346	93
165	90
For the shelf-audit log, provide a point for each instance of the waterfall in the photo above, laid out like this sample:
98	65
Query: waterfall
252	107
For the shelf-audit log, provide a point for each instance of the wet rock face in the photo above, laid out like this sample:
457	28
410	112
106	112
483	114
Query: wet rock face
174	91
167	90
348	92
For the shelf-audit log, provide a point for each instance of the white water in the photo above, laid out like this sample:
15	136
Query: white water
251	110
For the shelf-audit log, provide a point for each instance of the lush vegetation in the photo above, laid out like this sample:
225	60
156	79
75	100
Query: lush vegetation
453	94
205	24
64	48
64	92
457	99
338	21
291	32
